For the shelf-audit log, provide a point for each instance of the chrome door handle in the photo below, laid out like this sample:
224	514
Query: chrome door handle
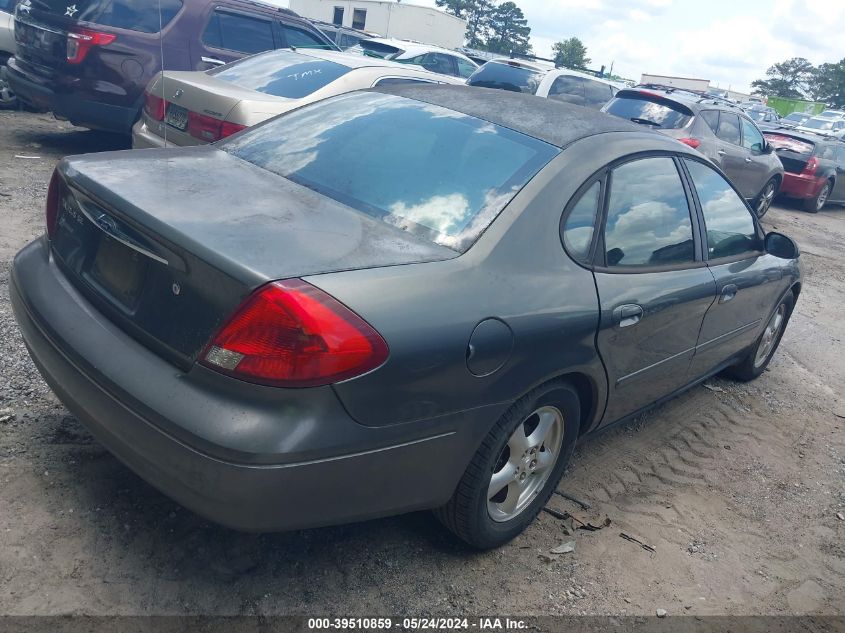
728	293
721	152
627	315
747	159
213	60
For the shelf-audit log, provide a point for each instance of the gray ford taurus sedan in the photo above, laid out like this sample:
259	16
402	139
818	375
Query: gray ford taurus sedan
406	298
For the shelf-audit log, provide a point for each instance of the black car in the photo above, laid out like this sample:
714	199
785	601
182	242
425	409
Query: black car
299	326
89	61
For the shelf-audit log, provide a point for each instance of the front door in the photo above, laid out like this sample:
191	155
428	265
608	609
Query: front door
748	281
654	288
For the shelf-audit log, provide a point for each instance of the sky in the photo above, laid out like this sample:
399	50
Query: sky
729	42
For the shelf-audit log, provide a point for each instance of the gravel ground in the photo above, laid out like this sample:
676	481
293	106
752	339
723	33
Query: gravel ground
736	487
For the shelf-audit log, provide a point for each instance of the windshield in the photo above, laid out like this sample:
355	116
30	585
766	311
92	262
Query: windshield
506	77
439	174
795	116
757	115
819	124
282	74
649	111
376	49
134	15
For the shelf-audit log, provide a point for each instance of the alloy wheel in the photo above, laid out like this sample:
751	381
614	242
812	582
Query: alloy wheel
770	336
765	200
822	198
525	463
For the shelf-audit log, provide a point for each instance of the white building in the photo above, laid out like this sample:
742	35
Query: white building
388	19
684	83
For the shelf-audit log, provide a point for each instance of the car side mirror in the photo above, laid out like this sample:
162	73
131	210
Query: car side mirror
767	148
781	246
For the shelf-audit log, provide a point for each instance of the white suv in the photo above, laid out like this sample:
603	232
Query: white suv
560	84
7	49
828	123
433	58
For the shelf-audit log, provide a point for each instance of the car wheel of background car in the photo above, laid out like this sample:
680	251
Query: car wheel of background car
8	100
814	205
764	200
761	353
516	468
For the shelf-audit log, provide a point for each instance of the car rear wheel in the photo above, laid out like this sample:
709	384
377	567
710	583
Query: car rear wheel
516	468
767	195
760	355
8	100
814	205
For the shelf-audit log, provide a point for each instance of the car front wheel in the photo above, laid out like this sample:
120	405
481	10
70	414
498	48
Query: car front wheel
764	200
517	467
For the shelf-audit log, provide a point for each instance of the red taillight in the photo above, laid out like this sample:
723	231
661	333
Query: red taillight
51	211
154	106
209	129
291	334
80	41
811	166
227	129
692	142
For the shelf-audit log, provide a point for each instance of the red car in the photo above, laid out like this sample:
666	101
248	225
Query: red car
814	167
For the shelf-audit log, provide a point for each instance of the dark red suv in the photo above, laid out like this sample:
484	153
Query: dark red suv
88	61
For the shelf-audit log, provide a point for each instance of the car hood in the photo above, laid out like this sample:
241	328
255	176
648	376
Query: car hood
248	222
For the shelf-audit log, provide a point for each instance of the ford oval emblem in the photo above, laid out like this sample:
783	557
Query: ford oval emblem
177	289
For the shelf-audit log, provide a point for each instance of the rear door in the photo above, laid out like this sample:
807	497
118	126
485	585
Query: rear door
231	33
748	280
653	285
730	151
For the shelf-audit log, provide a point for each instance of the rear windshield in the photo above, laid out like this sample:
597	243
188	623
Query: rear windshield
134	15
439	174
506	77
282	74
376	49
641	108
795	116
781	142
819	124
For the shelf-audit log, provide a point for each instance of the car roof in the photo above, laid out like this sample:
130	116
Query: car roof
548	71
692	100
412	47
554	122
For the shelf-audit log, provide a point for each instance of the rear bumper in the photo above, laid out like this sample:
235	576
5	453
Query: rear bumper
64	100
801	186
144	136
252	458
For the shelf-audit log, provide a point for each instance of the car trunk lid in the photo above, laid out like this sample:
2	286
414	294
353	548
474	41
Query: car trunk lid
794	152
168	249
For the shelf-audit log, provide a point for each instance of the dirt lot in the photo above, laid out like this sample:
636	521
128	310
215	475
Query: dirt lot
736	487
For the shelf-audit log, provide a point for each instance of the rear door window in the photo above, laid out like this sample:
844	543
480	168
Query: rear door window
465	68
730	228
648	217
133	15
597	93
359	148
300	38
569	89
642	108
238	32
711	118
728	129
282	74
506	77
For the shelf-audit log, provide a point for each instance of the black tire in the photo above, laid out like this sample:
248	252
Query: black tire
814	205
751	367
8	100
466	514
764	199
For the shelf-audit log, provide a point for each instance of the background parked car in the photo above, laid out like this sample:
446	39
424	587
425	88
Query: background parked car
560	84
814	168
793	119
7	49
255	89
830	124
433	58
763	116
724	134
343	36
91	65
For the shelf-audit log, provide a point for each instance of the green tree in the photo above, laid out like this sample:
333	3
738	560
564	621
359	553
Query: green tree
828	84
571	53
790	79
477	14
509	30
